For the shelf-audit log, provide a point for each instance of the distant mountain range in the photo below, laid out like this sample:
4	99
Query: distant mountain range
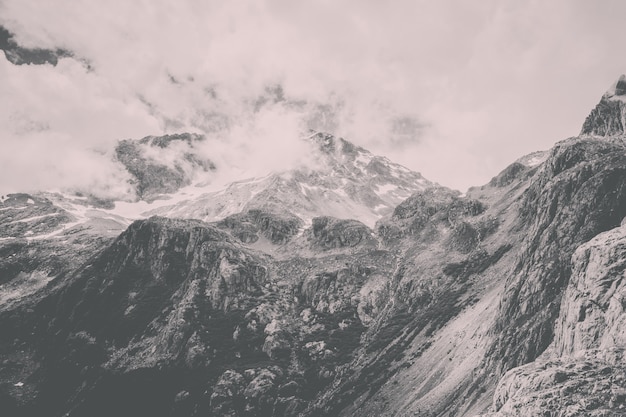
350	286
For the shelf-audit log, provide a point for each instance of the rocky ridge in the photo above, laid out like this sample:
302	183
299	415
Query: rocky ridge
608	118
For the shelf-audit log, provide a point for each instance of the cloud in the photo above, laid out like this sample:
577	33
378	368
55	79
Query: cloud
453	89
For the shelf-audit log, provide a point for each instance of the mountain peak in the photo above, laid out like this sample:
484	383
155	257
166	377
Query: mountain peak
618	89
608	118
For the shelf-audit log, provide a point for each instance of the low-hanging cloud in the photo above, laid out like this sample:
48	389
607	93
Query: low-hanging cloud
453	89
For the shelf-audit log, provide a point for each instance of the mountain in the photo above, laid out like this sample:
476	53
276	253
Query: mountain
345	181
351	286
172	176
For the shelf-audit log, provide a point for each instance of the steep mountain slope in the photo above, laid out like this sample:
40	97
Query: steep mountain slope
584	371
180	310
581	372
506	301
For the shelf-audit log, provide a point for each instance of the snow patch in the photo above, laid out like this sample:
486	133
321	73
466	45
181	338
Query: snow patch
386	188
30	219
363	158
533	159
13	208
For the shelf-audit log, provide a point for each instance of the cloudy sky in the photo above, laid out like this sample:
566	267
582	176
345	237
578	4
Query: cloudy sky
453	89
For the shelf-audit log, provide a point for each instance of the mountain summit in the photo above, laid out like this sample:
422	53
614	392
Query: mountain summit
618	89
608	118
343	181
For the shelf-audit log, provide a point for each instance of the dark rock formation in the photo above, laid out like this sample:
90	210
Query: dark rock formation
421	214
18	55
170	306
23	215
620	86
278	227
330	233
154	177
608	118
508	175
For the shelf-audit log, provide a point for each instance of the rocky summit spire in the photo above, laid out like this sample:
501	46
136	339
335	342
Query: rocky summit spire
619	88
608	118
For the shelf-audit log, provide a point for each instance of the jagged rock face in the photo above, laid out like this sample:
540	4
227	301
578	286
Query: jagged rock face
331	233
608	118
422	214
402	362
23	215
148	160
510	174
578	193
582	373
181	309
566	387
593	310
575	194
136	277
277	226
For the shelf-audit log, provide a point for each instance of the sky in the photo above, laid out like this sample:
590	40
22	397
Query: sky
454	89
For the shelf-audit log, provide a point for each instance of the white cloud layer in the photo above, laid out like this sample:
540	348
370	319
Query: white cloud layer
453	89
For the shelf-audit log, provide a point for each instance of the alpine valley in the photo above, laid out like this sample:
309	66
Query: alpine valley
350	286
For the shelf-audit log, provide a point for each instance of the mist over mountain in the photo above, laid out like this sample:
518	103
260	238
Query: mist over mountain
450	89
339	284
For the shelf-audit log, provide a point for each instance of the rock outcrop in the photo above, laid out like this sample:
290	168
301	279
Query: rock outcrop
583	387
593	309
154	170
608	118
331	233
278	226
583	371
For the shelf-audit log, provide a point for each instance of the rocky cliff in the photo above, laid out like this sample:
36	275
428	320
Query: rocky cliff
583	371
580	369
